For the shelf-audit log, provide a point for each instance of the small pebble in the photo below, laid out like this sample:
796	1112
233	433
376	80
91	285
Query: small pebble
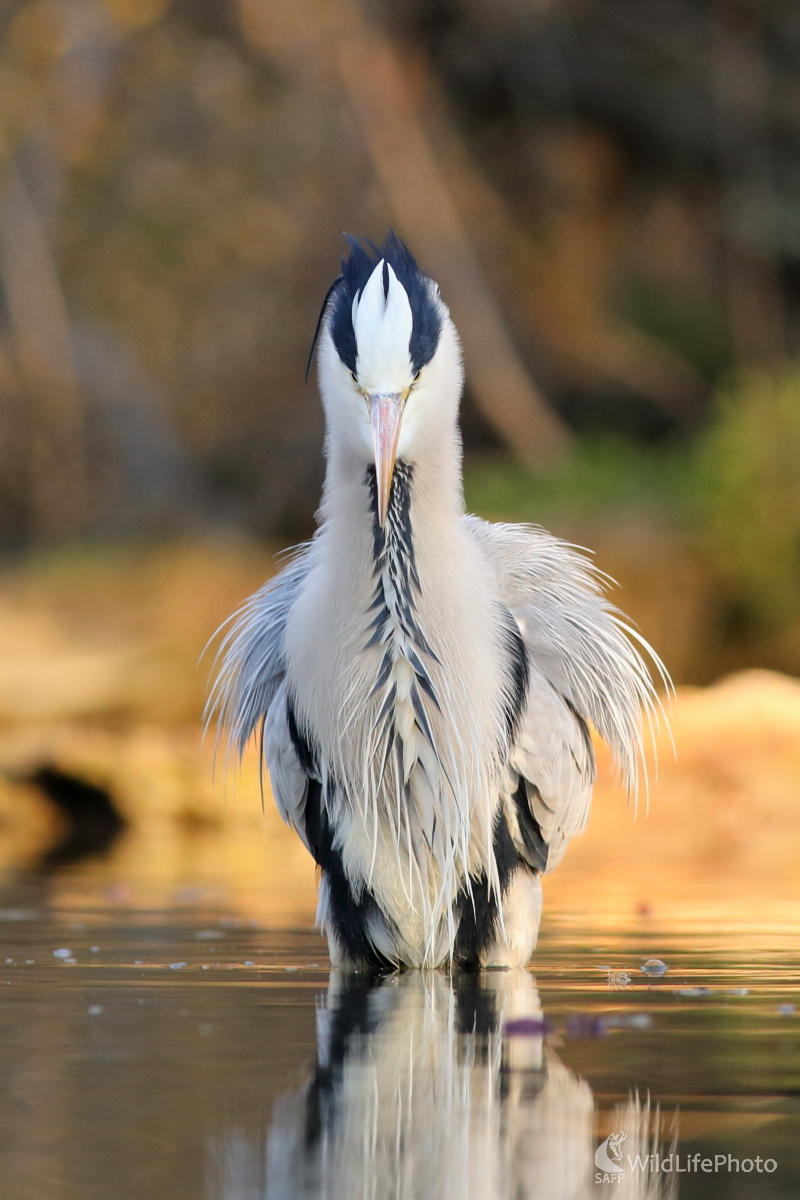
786	1010
654	966
177	966
95	1010
63	953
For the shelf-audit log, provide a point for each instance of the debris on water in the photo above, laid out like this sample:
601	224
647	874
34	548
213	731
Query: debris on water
292	968
526	1027
10	962
654	966
694	991
62	953
177	966
95	1010
249	963
205	967
94	949
208	935
617	980
737	991
137	962
585	1025
72	961
786	1010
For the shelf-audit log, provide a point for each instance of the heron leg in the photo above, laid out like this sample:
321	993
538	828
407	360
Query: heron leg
522	911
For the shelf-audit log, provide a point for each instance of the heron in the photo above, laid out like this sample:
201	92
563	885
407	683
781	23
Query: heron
424	683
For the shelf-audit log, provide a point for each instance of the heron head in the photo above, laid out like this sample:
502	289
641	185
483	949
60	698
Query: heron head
380	349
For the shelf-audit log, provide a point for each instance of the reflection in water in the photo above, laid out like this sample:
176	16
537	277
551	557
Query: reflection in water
434	1088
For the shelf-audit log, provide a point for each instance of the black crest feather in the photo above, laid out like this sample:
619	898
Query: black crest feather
356	270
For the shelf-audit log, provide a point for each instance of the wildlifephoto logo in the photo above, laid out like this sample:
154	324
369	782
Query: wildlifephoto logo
612	1164
608	1156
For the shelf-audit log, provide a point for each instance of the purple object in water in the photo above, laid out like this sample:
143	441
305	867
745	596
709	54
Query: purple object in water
585	1025
525	1027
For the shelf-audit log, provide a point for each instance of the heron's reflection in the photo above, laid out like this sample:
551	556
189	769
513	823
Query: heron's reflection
429	1087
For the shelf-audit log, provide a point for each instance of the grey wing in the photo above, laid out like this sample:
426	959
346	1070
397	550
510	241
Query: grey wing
287	776
249	692
550	776
586	669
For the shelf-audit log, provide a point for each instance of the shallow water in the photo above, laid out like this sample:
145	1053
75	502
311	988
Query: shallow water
188	1052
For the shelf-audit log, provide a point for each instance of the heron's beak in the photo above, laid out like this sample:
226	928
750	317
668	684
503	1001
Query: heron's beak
385	411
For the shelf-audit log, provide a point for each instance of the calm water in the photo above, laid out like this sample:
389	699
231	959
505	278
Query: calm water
188	1053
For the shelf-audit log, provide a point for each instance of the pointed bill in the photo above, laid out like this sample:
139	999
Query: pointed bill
385	411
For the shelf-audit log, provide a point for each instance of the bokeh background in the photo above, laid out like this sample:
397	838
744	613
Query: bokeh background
608	192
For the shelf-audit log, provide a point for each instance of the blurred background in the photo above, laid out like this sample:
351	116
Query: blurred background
608	192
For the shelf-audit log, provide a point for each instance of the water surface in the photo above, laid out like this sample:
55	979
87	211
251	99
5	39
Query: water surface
187	1051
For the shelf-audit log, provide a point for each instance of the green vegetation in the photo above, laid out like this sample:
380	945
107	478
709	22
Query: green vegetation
603	477
732	495
747	492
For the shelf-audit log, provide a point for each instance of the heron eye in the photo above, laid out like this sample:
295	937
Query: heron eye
416	377
354	377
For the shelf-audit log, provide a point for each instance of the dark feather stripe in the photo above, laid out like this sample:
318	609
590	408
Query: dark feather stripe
586	736
356	269
350	912
393	550
477	908
518	672
534	848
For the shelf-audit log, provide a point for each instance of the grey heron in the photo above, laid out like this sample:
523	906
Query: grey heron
424	682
